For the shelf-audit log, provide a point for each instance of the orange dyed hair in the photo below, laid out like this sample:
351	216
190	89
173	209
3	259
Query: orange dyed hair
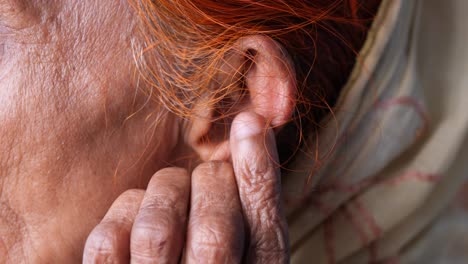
186	39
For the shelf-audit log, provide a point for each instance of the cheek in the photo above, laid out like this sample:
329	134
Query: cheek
72	79
14	83
76	66
96	56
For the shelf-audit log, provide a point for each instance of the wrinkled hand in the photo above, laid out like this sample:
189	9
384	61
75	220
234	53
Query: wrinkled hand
222	213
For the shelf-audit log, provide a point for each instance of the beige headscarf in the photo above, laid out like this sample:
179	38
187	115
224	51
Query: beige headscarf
389	160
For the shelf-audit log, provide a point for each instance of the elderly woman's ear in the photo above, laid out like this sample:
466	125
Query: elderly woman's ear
257	75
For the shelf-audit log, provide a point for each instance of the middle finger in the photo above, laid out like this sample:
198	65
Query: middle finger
215	229
157	236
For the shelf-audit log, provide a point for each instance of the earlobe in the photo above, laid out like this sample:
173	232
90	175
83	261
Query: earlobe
259	67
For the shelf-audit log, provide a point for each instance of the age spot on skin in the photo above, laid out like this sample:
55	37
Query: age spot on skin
2	51
3	58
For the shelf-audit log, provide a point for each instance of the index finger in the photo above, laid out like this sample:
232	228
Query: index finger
255	162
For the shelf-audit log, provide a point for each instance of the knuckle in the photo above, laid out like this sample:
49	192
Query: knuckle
259	168
213	235
205	203
102	245
161	201
257	174
265	197
168	200
259	183
150	238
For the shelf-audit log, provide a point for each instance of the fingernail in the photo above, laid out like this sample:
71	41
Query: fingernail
247	124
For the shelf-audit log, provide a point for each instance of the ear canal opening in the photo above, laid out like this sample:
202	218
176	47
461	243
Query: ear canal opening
249	63
241	96
237	98
250	54
231	104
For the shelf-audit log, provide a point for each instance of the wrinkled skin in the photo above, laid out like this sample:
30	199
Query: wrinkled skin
77	135
68	149
235	210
